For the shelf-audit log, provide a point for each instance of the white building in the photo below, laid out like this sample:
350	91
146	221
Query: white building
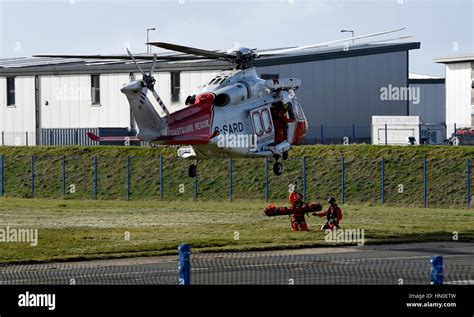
48	101
400	130
459	92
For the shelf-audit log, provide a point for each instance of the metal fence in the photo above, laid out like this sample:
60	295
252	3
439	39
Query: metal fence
377	181
317	134
247	269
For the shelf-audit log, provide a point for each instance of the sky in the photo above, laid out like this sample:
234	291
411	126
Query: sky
444	27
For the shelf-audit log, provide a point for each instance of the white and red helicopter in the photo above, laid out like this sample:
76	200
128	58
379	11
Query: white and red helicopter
233	115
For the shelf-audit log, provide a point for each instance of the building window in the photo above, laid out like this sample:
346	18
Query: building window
270	76
175	86
95	89
10	91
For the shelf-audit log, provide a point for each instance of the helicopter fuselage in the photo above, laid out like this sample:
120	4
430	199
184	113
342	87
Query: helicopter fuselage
235	108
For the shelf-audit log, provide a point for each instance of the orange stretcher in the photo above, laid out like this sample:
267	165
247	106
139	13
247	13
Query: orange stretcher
272	211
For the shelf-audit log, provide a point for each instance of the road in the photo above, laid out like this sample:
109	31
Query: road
382	264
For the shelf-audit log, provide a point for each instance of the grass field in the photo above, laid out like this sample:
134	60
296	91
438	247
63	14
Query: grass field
75	229
446	174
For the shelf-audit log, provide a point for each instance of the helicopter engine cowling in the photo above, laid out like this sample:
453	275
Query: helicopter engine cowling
231	95
284	83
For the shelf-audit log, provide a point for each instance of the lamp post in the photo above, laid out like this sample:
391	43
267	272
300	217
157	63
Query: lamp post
349	31
148	49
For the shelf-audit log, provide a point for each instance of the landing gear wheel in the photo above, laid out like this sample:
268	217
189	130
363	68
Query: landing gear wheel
192	171
285	155
277	168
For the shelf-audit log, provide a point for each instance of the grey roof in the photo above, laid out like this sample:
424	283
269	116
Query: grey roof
454	59
44	65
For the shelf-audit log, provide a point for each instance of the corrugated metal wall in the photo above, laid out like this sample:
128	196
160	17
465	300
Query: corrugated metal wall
343	92
67	137
431	107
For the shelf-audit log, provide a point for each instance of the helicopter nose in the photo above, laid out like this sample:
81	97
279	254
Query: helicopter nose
131	87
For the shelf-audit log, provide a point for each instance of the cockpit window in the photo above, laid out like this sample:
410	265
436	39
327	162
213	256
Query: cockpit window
297	110
218	80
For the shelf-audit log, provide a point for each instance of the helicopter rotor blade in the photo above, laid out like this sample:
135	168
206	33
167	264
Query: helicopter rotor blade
127	57
192	50
298	48
152	69
135	62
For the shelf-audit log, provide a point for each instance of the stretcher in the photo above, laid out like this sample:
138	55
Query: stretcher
272	210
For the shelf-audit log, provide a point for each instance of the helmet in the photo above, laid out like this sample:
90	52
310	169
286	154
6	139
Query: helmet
331	200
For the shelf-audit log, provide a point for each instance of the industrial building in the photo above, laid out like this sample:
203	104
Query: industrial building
54	101
459	92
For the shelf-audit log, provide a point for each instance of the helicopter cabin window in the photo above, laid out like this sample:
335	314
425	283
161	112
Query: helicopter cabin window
270	76
95	89
294	111
267	121
257	123
10	91
175	86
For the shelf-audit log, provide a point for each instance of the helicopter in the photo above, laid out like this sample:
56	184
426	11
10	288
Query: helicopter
235	114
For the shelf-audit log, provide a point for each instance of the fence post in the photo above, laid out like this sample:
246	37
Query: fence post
353	133
437	270
195	192
304	177
32	176
184	266
128	177
419	134
386	134
230	180
26	138
468	183
383	181
3	138
94	195
266	181
342	180
63	175
322	134
424	182
2	188
161	177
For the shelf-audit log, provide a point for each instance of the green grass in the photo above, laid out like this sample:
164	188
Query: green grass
75	229
446	174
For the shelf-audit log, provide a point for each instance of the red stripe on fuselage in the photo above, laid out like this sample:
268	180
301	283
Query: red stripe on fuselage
194	120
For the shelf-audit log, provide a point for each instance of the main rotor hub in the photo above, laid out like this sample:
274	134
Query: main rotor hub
244	56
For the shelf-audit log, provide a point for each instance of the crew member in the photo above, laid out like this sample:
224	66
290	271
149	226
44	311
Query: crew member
333	215
298	220
280	121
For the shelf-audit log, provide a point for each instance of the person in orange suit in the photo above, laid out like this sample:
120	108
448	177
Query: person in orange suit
298	220
333	215
280	121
